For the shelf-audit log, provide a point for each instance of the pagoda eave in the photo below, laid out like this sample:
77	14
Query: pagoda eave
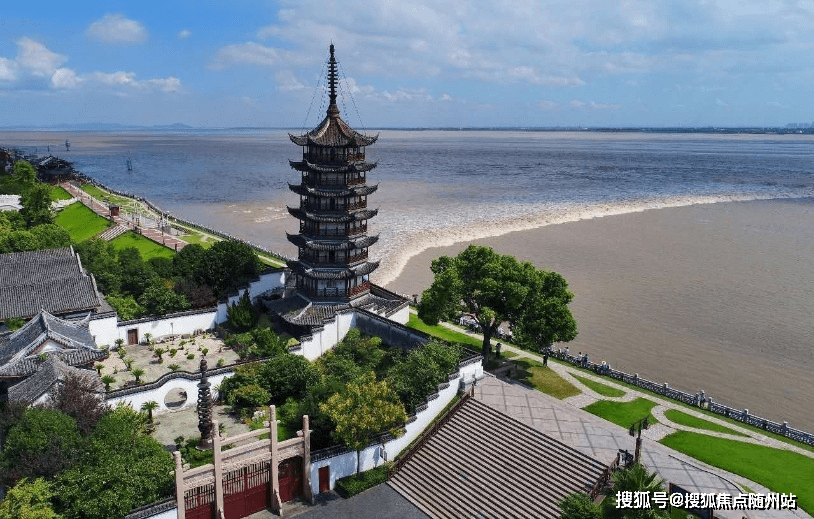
304	165
304	190
357	216
353	243
303	269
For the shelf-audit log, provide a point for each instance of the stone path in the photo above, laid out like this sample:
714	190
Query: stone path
154	234
567	421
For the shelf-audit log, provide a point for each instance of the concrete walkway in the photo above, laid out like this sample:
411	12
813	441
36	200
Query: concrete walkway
566	421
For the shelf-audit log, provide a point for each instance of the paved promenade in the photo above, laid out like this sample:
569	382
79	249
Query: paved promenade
148	230
566	421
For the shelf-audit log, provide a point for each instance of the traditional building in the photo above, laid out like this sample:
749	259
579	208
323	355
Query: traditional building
332	271
333	212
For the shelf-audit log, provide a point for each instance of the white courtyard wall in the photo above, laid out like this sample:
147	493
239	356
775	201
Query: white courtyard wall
174	324
344	465
104	330
328	336
402	316
190	385
266	282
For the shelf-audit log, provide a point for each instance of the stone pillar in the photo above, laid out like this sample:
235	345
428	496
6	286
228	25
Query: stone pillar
216	461
205	410
276	505
307	491
179	485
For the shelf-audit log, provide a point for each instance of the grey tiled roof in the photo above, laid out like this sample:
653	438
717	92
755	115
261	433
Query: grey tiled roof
47	279
17	349
49	373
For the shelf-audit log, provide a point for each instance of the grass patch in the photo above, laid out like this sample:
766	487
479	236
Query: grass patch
442	332
599	387
102	196
147	248
200	239
509	354
358	483
682	418
778	437
781	471
59	193
544	379
80	222
623	413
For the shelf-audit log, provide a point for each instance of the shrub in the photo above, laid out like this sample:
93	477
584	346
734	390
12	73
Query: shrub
174	367
173	351
249	396
190	356
358	483
220	362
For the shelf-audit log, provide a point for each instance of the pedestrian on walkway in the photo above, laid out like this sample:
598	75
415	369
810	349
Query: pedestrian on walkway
545	357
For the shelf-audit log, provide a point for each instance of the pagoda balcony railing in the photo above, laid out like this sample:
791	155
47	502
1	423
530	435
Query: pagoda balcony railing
338	208
339	158
337	291
332	232
317	181
314	259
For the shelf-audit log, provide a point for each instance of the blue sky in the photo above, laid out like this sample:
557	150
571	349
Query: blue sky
426	63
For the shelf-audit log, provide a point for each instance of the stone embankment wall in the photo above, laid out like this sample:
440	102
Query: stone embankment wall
700	399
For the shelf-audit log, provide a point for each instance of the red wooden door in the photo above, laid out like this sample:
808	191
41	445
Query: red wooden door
324	479
132	336
258	487
290	474
234	485
199	503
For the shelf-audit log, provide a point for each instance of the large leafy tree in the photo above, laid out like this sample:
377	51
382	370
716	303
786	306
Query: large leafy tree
122	468
494	288
364	408
36	202
29	500
287	376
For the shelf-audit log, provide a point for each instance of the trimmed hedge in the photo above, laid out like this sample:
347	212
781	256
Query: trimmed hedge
358	483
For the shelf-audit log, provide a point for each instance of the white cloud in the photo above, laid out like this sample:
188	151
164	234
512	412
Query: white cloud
37	58
287	81
115	28
247	54
128	81
593	105
548	104
8	70
64	78
186	33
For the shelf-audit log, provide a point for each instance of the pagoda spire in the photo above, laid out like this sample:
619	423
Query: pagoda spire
333	110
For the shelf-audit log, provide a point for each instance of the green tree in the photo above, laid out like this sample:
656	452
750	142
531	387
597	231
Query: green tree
138	373
101	259
230	264
36	201
123	468
418	375
18	241
634	479
125	306
242	314
24	173
244	375
286	376
29	500
15	323
158	299
267	343
149	406
11	221
42	443
136	274
494	288
107	380
51	236
579	506
249	396
362	409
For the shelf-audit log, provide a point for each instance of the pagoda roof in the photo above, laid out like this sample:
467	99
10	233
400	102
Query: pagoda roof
335	133
364	214
300	311
352	243
304	165
345	273
361	190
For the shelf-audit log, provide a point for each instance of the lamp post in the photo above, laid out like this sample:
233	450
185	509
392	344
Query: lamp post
639	424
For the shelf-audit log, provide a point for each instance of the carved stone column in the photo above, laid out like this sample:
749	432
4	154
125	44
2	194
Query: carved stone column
204	410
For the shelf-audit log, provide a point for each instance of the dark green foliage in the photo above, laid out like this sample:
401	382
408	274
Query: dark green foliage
100	258
242	315
36	202
358	483
123	468
158	299
18	241
135	274
42	443
579	506
126	307
190	453
23	176
287	376
29	500
366	352
51	236
495	288
267	343
339	369
11	221
190	262
162	267
14	323
244	375
249	397
420	373
230	264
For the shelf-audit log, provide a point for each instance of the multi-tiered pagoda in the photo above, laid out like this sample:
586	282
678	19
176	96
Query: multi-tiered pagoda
333	241
331	275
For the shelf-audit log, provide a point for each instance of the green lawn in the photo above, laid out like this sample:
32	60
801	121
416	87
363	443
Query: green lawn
508	354
779	470
59	193
80	222
147	248
199	239
442	333
600	388
778	437
543	379
682	418
100	195
623	413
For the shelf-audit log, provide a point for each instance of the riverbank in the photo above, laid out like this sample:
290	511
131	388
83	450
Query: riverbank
712	297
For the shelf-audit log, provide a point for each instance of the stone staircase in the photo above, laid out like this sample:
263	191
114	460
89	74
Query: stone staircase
112	232
482	463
